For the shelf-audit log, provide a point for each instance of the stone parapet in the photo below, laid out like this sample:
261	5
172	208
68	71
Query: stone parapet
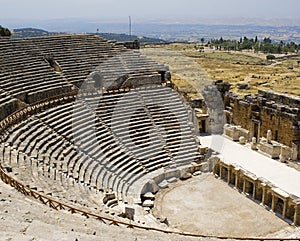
235	132
271	150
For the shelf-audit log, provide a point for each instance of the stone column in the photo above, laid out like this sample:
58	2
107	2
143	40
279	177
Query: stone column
237	179
254	190
215	169
220	171
273	202
264	193
296	221
284	208
244	186
228	175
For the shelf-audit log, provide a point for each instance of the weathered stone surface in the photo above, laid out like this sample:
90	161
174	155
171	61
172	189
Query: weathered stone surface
163	184
172	179
254	144
185	176
266	111
242	140
148	203
149	195
235	132
41	79
270	149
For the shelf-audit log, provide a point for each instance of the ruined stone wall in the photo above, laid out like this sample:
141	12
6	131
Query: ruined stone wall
265	111
241	114
213	98
283	125
285	99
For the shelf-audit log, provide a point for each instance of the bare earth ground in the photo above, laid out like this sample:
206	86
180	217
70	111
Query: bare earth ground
209	206
191	67
187	74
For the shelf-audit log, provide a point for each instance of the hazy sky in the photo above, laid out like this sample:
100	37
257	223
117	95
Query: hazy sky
148	9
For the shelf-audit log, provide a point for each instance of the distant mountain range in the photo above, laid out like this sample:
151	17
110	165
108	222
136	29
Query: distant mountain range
125	38
31	32
158	32
34	32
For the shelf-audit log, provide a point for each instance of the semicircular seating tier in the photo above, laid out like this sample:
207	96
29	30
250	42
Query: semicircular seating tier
34	69
112	142
93	122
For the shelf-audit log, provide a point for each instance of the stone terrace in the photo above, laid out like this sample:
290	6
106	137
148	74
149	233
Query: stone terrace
35	69
102	147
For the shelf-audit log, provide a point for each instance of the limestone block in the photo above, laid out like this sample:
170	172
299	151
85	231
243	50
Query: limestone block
185	175
164	184
202	150
197	173
270	149
242	140
294	153
285	153
269	136
254	144
151	186
172	179
149	195
148	203
212	161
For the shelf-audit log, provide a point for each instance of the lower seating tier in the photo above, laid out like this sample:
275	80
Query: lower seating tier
111	142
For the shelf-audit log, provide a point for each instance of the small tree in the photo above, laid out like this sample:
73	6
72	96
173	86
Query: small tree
201	49
4	32
270	57
202	40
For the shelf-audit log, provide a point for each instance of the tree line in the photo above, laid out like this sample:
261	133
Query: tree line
265	45
4	32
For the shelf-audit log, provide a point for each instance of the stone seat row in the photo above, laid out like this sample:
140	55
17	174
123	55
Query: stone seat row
53	146
83	132
86	147
165	122
38	174
127	131
78	56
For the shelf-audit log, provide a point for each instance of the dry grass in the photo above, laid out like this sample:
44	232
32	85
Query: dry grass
237	67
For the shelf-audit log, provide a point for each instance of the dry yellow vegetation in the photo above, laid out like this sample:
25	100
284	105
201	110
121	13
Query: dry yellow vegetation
252	69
